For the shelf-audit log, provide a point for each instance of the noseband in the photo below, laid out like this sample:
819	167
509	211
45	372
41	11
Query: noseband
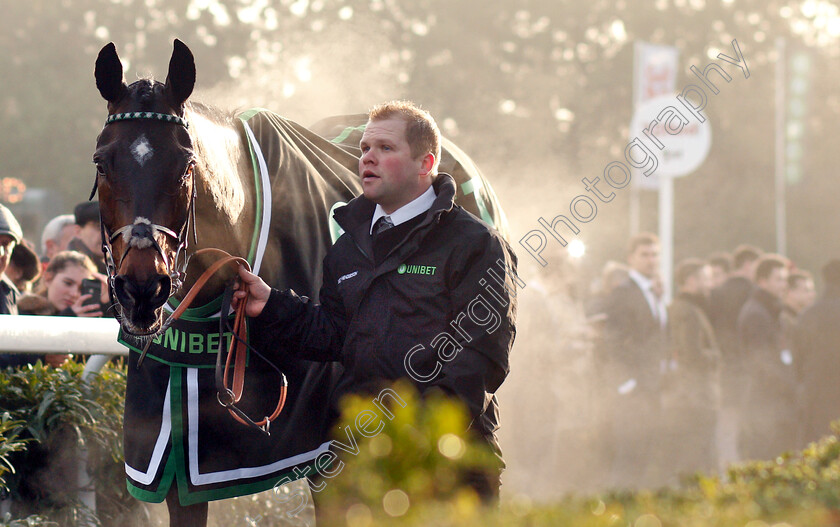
141	233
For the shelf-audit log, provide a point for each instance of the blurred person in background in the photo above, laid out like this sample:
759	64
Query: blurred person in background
10	236
721	265
816	342
24	267
56	236
613	274
768	421
691	394
799	296
59	294
634	348
88	240
725	303
61	288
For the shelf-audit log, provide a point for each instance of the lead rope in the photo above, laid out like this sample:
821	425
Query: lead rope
238	350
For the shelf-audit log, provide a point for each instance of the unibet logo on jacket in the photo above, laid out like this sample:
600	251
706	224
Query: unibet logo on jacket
416	269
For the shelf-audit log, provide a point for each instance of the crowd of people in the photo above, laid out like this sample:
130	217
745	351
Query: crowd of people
51	283
738	366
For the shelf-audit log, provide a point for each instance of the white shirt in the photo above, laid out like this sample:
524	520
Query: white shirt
410	210
657	307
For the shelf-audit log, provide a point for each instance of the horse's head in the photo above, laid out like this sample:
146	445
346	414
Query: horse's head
144	174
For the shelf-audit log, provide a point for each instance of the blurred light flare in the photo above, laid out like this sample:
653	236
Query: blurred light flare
395	502
576	249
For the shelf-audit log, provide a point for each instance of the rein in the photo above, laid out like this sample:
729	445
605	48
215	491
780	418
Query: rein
235	363
141	234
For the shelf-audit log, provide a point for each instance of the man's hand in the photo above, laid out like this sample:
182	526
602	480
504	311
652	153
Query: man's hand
259	293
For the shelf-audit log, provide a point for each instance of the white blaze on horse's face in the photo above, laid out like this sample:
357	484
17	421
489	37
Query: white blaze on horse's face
141	150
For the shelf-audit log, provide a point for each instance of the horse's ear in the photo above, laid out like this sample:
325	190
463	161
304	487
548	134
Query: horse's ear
181	78
109	74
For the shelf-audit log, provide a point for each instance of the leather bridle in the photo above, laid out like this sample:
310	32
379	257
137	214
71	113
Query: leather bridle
142	231
141	234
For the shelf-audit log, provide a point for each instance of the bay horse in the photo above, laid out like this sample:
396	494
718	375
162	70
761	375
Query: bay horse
174	176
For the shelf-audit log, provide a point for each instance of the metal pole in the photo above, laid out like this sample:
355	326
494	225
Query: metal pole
781	212
666	235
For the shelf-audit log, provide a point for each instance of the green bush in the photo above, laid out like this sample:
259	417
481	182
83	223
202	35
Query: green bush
56	414
407	474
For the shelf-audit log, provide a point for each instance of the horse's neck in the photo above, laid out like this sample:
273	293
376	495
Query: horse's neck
225	205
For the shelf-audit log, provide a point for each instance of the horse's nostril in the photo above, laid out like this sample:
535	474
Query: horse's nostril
150	294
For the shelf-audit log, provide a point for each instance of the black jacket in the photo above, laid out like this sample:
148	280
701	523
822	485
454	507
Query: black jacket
431	310
816	344
8	296
725	303
96	257
633	338
760	337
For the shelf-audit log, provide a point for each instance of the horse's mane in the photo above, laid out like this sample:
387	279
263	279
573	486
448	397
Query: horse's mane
218	154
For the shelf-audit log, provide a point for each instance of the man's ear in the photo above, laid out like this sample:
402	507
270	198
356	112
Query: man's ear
428	163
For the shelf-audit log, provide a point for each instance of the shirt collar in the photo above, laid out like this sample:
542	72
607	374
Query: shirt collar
641	280
410	210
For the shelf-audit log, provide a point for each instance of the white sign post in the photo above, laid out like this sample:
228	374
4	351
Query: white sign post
679	153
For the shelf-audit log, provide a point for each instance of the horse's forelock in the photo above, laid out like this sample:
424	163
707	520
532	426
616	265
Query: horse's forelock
145	93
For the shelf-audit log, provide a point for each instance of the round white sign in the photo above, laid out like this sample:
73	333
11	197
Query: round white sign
673	134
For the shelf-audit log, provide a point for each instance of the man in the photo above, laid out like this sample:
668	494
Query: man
10	236
768	419
721	264
815	344
727	300
725	303
691	397
57	234
88	238
633	341
800	294
415	299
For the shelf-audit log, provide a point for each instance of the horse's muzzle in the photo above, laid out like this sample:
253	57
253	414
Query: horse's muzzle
141	302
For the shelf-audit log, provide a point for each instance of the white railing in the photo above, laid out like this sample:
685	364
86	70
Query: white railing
96	337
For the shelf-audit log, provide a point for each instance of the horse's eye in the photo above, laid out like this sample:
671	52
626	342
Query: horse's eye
188	173
100	170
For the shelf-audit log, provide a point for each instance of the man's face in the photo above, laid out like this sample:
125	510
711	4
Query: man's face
718	276
91	235
645	260
54	247
775	283
802	294
704	280
64	237
7	245
391	177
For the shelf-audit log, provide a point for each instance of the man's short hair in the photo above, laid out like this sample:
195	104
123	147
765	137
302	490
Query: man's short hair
641	239
744	254
767	264
421	130
686	269
86	212
796	277
52	230
722	260
831	272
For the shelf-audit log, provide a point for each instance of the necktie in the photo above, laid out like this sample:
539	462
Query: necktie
382	224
